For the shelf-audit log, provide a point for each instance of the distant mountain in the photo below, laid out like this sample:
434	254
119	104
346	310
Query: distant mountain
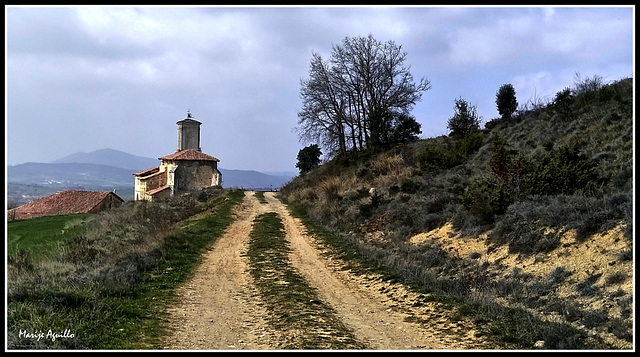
26	182
70	173
111	157
252	179
106	170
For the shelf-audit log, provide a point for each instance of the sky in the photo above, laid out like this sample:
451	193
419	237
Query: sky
84	78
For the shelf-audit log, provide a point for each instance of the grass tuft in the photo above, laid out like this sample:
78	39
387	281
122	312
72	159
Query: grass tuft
293	304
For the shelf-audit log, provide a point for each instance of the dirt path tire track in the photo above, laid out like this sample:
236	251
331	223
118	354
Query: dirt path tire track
220	310
384	316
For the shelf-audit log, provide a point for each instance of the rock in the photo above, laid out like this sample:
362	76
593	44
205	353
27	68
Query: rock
539	344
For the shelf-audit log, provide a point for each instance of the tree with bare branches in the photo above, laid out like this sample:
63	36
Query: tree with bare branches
345	98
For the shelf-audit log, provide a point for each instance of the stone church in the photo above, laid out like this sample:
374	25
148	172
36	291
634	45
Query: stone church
188	169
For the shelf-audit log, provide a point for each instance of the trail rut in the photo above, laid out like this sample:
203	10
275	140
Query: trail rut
219	309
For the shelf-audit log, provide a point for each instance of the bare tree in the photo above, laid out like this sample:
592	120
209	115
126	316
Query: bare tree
322	117
364	77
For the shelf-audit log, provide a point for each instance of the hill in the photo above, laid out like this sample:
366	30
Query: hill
108	170
69	174
111	157
527	223
26	182
231	178
253	180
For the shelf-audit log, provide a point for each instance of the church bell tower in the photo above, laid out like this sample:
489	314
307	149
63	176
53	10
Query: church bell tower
189	133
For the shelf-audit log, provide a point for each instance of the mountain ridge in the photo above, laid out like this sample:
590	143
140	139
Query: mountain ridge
111	157
122	159
108	169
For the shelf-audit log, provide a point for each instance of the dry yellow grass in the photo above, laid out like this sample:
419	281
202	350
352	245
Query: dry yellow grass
330	188
387	165
597	255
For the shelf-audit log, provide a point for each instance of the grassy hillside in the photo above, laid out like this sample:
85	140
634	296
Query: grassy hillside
108	286
552	178
41	235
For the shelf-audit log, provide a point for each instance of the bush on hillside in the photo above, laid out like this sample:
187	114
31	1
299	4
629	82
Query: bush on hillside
563	102
464	120
449	152
506	101
562	172
524	226
486	197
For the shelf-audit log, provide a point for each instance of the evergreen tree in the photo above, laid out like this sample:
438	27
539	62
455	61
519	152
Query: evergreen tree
308	158
506	100
464	120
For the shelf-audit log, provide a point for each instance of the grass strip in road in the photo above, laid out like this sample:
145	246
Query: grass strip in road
260	196
295	308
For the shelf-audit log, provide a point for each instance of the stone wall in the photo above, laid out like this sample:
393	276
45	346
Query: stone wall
195	175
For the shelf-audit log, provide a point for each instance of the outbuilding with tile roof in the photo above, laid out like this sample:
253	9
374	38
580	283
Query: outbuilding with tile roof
67	202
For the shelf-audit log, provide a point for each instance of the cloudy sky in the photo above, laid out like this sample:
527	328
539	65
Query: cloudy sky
87	78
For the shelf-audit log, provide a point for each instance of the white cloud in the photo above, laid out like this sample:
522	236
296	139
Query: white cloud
535	88
493	42
548	13
139	69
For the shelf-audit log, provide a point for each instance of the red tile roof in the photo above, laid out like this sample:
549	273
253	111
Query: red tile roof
189	154
63	202
148	176
159	189
148	172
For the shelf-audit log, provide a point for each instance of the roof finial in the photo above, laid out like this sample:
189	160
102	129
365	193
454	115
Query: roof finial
188	113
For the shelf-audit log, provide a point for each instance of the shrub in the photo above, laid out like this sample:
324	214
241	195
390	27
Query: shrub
562	172
521	228
588	84
469	144
594	318
621	328
626	255
506	100
308	158
330	188
586	287
475	255
387	165
563	101
434	157
464	120
625	307
409	186
504	162
615	278
587	89
558	275
486	197
448	153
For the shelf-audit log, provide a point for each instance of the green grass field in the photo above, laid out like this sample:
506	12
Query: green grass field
41	235
110	284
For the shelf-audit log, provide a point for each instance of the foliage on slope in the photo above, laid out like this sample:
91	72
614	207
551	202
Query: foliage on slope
523	183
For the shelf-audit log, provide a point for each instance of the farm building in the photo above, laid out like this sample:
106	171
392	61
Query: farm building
188	169
67	202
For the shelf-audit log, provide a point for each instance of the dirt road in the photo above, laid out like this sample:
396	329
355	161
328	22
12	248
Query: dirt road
221	310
